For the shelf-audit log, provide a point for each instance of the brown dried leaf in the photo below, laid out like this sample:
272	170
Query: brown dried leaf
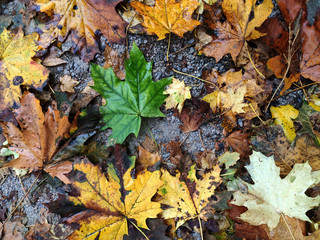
116	61
39	135
83	20
67	84
239	141
192	117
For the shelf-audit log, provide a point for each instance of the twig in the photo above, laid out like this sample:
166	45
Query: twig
3	180
189	75
24	190
201	140
310	84
185	138
304	90
254	66
11	213
289	59
256	114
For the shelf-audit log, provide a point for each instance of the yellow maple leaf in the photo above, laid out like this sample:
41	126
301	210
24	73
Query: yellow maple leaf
233	100
168	16
284	115
106	216
83	18
178	93
236	95
17	67
186	205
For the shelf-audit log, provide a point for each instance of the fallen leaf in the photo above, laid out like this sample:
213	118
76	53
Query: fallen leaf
310	62
206	159
38	135
284	115
178	93
268	200
239	28
130	100
68	84
17	67
305	114
236	95
109	203
186	203
239	141
146	159
53	61
14	229
83	21
115	60
244	230
193	116
168	16
229	159
175	152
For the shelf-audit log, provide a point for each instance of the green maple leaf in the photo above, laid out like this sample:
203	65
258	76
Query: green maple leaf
127	101
271	196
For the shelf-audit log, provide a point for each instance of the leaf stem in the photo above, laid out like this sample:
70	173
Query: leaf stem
285	221
168	47
201	233
256	114
139	230
11	213
254	66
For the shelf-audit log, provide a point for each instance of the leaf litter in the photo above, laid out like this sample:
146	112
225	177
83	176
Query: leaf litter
232	124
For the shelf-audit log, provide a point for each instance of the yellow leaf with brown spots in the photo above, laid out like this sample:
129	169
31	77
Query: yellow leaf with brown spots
17	66
188	199
284	115
110	202
168	16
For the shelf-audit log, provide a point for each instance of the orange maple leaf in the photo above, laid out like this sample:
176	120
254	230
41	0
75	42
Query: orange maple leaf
168	16
239	27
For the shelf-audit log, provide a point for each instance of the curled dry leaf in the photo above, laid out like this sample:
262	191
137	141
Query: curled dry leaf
68	84
17	66
38	135
83	20
168	16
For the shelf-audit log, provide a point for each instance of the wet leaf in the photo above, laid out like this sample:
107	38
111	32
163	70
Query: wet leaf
37	138
130	100
240	27
109	203
17	66
83	21
168	16
270	196
284	116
